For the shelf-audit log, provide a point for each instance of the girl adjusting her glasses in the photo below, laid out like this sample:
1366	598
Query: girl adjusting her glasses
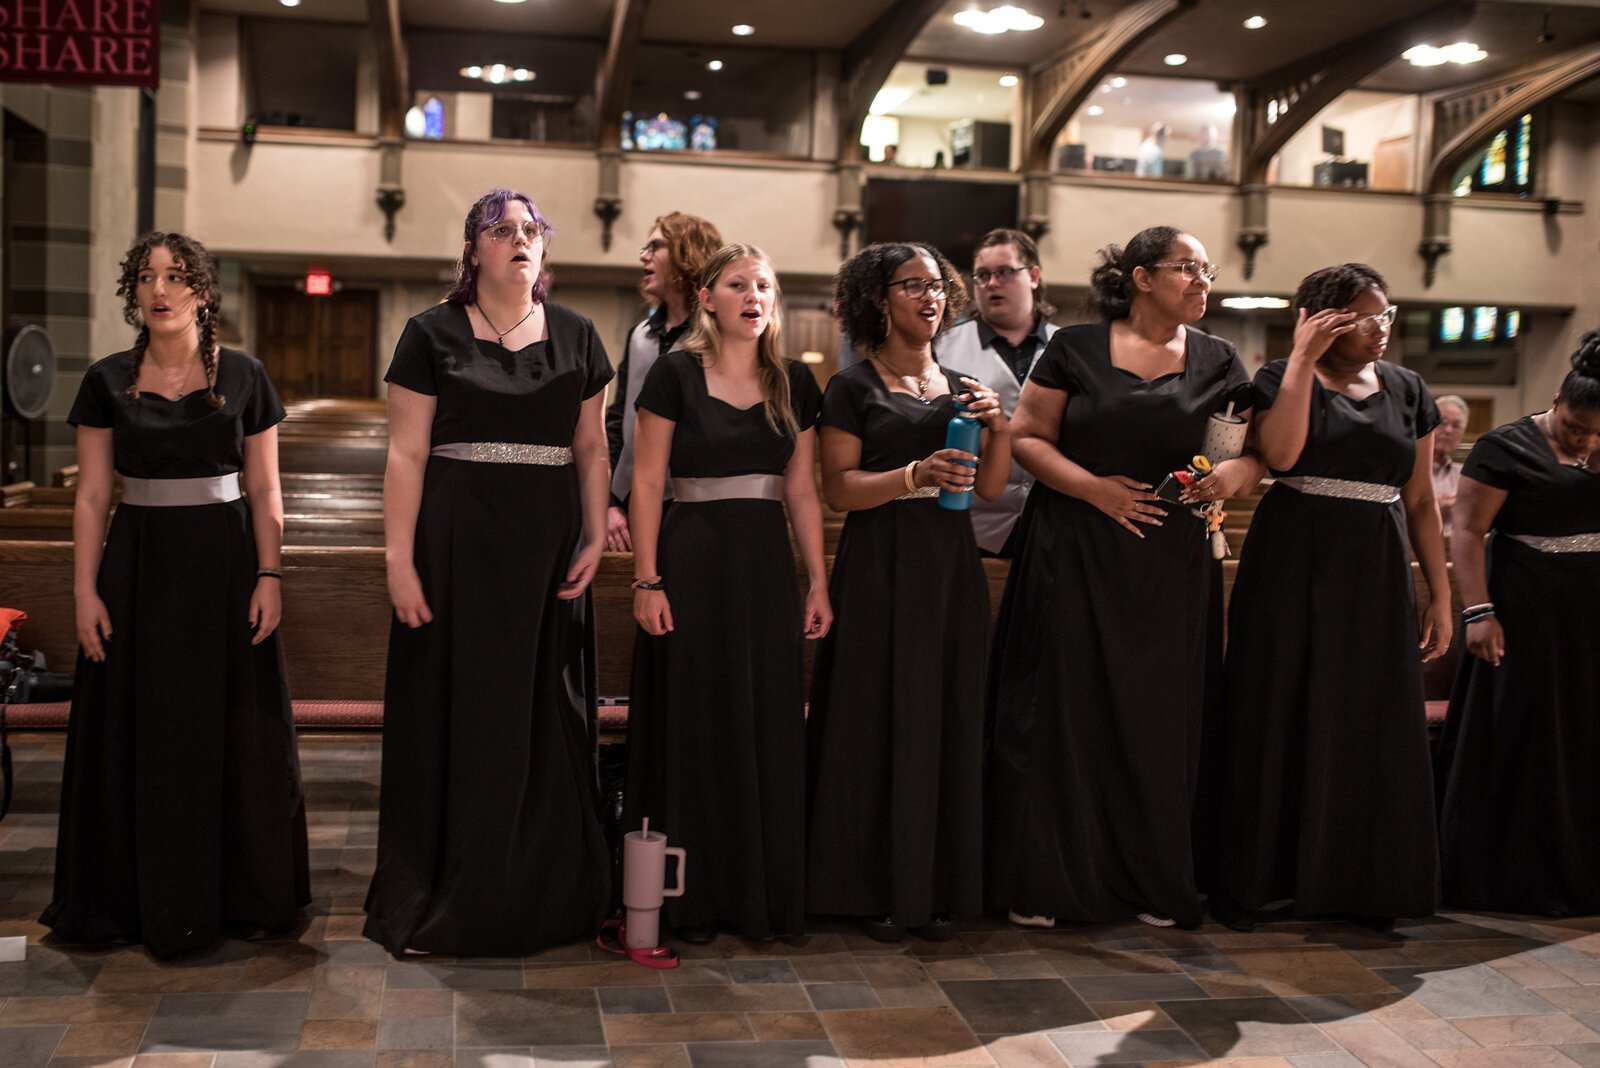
1324	795
717	710
489	841
896	727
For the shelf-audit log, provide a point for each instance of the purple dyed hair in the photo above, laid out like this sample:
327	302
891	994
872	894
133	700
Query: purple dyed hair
489	210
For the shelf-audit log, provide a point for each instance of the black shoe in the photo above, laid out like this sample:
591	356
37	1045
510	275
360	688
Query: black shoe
1230	915
697	935
939	929
1375	924
883	928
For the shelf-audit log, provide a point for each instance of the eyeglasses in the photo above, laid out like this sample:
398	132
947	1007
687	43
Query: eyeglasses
1384	320
1191	269
652	247
917	288
505	232
999	276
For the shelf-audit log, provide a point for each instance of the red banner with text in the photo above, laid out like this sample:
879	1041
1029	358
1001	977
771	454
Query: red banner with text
81	42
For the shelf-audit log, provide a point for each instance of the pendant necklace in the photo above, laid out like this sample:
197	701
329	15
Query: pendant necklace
174	385
921	381
1562	455
500	338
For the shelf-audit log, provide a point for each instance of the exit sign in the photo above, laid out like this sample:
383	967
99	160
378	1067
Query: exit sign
318	283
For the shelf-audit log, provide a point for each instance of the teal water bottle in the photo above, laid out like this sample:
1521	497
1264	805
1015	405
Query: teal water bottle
964	434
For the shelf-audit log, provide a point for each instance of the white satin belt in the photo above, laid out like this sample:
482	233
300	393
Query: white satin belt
728	488
180	492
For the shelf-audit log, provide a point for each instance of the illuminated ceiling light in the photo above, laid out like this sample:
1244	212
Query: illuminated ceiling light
289	3
1175	59
998	20
1105	87
1008	80
743	30
1254	22
1096	109
522	74
888	99
1462	52
510	1
691	94
1253	303
472	72
715	64
1118	82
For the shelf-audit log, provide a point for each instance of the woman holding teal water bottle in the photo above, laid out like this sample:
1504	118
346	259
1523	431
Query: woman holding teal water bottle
896	728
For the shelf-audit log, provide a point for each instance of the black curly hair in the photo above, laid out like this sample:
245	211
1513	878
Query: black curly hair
1581	387
1336	287
200	275
1111	283
863	281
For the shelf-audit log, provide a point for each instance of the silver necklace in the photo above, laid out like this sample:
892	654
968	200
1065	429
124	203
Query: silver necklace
500	338
174	385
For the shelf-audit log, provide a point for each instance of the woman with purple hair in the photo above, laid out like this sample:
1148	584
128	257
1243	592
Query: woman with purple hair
494	501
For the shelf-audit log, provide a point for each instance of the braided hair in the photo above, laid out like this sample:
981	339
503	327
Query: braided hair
1581	387
863	281
1111	286
200	275
1336	287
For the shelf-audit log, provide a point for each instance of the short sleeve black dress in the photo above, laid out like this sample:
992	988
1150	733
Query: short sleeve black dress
181	809
716	718
489	840
1520	810
1105	651
896	727
1322	776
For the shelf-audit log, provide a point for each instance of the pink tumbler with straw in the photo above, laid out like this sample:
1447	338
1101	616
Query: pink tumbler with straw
644	870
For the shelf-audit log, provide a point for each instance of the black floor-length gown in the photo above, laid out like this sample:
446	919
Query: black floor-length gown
181	810
1519	820
896	725
716	717
489	840
1323	781
1105	652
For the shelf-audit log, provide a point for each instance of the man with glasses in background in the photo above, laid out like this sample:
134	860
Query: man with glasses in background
998	346
1446	469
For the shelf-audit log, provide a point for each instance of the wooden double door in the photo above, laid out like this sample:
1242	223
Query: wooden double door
318	346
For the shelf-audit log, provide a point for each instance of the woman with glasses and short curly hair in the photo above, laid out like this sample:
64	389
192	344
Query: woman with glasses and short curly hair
1322	783
182	816
896	727
494	500
1109	639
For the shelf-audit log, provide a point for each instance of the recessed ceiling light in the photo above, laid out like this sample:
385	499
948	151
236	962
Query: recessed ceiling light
510	1
1250	303
743	30
472	72
289	3
1429	56
998	20
1096	109
1118	82
1175	59
1254	22
691	94
522	74
715	64
1008	80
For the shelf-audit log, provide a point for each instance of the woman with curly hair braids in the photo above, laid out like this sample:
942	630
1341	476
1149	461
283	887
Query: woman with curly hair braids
896	727
1109	640
181	810
1520	801
1324	796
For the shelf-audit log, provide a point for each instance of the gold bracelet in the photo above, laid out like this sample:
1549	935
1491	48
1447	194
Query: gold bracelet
911	477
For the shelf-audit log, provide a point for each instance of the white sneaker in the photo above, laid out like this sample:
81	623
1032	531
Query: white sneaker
1155	921
1030	921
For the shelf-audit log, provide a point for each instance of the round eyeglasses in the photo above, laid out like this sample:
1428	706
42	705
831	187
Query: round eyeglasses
917	288
504	232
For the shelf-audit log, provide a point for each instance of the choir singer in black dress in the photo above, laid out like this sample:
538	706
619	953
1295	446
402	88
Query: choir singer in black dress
494	500
716	722
1325	797
1520	812
182	815
896	729
1109	638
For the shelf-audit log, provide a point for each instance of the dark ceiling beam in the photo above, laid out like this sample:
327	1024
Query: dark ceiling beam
616	70
1464	120
1059	86
1279	104
867	62
393	76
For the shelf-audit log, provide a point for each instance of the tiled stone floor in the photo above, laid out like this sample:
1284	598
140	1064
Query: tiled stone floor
1461	991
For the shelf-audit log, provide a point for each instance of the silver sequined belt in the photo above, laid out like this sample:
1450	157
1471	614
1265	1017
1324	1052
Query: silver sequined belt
728	488
1317	486
505	452
180	492
1570	543
919	493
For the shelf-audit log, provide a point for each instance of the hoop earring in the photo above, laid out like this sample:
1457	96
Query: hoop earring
203	316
